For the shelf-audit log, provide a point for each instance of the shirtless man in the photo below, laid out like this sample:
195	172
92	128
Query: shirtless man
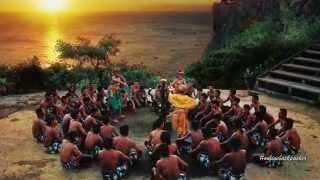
232	95
220	128
154	136
38	126
215	113
52	137
248	119
92	92
165	139
255	103
211	93
93	141
113	162
169	167
236	162
72	94
87	107
274	149
279	124
266	116
66	122
107	130
234	114
91	119
190	141
239	134
209	149
203	107
126	145
76	127
217	97
258	134
70	156
64	108
290	138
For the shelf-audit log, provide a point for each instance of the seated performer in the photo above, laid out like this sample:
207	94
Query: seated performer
91	119
239	134
126	145
66	122
107	130
52	137
72	94
209	149
190	141
154	136
215	113
236	162
266	116
234	113
169	167
220	127
248	119
93	141
86	107
290	138
258	134
91	91
114	164
217	97
279	124
76	127
231	97
70	156
38	126
255	103
165	139
274	149
203	107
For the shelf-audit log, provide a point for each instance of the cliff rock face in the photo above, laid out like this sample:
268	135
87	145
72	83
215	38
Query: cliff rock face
232	16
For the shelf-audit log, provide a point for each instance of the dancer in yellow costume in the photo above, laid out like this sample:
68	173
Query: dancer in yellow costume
182	104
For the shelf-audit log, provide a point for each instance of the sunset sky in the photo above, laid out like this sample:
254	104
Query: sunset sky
101	5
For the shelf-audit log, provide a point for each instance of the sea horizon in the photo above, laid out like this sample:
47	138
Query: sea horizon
161	40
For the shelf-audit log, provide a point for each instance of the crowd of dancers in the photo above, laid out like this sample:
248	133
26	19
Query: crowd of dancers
208	133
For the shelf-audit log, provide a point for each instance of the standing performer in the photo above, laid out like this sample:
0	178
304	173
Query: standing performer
182	103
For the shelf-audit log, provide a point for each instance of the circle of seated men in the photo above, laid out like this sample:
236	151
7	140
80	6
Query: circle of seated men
222	139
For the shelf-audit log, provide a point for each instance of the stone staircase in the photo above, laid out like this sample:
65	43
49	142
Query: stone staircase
297	77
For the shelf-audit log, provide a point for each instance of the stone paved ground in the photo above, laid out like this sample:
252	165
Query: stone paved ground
22	158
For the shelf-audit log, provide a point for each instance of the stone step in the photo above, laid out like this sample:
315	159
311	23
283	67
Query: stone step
307	61
289	88
301	69
315	47
311	53
296	77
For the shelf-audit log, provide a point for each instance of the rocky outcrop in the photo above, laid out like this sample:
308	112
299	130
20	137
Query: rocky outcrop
231	17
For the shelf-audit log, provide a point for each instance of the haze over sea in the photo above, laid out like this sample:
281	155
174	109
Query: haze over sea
163	41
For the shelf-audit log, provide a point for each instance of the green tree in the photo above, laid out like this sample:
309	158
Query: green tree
83	51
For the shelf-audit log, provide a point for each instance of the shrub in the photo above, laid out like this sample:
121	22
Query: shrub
262	45
28	76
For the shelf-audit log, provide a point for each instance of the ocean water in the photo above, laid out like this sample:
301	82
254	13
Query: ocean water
163	41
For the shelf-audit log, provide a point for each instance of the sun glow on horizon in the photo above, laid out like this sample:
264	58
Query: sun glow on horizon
53	5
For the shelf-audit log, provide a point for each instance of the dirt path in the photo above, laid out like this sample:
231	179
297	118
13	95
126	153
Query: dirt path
22	158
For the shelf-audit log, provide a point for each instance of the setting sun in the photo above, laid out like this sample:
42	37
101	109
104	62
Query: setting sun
53	5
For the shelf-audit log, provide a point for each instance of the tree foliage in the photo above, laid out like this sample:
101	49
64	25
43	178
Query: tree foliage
84	51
